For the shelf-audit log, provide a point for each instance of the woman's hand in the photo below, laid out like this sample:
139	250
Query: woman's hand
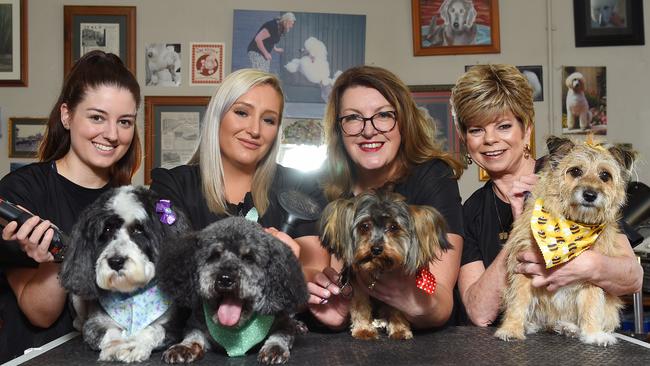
396	289
286	239
519	191
329	300
531	263
33	236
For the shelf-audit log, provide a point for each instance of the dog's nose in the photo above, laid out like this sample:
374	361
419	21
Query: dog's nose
116	263
225	281
376	249
589	195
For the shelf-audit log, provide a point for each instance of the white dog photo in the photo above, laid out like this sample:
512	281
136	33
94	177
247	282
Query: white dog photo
604	14
577	106
163	64
314	66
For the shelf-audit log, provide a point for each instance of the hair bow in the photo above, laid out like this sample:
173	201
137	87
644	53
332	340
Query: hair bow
164	209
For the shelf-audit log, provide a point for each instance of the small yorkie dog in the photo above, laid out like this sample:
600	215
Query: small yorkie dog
574	207
377	232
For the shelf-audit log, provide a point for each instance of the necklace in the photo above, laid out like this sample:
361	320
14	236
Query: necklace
503	234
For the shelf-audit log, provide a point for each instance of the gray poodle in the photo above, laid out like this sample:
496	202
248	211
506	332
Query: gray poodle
239	282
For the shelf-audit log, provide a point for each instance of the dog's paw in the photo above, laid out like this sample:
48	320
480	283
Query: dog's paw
507	334
599	338
273	354
401	334
566	328
180	353
300	327
365	333
133	352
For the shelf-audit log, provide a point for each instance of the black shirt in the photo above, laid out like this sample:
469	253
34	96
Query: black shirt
182	185
273	27
39	188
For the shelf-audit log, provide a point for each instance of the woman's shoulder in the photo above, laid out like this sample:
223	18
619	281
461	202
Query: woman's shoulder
181	172
35	174
432	169
477	199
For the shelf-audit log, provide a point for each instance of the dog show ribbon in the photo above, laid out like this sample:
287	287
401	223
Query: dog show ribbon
164	209
560	239
238	340
136	310
426	281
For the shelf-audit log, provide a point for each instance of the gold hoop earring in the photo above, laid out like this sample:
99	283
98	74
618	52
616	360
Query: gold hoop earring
526	151
468	159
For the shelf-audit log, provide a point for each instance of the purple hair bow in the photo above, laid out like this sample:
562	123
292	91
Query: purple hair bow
164	209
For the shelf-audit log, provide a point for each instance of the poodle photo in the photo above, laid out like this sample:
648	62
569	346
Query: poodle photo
314	66
604	14
243	286
458	27
110	271
577	106
163	65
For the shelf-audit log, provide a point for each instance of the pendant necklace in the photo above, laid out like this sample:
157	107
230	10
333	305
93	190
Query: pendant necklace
503	234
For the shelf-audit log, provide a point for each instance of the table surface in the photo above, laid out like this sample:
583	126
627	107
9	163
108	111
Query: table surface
450	346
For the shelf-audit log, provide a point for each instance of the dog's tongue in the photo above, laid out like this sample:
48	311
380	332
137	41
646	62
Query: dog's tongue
229	311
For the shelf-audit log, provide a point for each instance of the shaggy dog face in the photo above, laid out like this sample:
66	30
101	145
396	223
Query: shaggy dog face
114	248
228	273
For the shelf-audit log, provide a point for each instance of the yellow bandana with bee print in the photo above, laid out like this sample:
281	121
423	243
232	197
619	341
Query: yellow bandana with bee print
559	239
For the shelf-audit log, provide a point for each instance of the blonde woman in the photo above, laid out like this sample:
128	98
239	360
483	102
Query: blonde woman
233	171
266	38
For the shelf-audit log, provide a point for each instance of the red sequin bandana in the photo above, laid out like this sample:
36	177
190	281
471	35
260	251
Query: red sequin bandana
426	281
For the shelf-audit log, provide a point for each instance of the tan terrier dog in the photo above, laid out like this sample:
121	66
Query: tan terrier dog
574	206
377	232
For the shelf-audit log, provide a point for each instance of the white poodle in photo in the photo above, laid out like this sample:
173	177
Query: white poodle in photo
314	66
163	65
604	13
577	107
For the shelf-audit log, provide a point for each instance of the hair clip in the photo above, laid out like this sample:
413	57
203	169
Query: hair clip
164	208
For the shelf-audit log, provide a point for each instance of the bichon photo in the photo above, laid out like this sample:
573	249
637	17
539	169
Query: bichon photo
163	65
314	66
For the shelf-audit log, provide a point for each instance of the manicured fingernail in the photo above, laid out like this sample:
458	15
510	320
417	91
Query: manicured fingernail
336	291
323	302
327	293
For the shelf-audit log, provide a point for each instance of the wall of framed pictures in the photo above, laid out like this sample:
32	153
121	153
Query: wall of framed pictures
541	34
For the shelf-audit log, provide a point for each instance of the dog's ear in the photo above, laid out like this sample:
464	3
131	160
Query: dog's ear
176	268
336	234
77	274
284	289
558	148
444	11
471	14
624	155
431	232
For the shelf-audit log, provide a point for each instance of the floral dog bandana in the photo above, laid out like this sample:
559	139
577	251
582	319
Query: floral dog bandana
135	311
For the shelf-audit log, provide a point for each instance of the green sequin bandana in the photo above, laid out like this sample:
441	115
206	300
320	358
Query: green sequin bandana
237	341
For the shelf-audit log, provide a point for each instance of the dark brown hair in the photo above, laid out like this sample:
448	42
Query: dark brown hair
92	70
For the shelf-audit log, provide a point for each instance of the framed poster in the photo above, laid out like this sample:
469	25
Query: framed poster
13	43
172	130
608	23
25	134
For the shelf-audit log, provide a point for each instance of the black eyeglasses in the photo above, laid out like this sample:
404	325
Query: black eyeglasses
354	124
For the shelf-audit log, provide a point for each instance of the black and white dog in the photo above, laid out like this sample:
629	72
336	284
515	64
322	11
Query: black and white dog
110	270
241	284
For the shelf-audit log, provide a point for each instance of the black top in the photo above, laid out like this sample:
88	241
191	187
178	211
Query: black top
433	184
182	185
39	188
273	27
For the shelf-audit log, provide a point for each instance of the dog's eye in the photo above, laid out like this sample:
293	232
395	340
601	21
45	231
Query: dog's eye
604	176
575	172
364	227
137	229
392	228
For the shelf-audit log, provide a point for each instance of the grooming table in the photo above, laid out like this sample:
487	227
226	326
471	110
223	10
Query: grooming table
450	346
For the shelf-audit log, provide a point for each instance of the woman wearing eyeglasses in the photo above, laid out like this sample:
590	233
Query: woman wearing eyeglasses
376	134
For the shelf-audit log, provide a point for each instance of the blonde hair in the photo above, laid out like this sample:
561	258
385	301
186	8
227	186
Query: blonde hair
489	91
208	153
419	142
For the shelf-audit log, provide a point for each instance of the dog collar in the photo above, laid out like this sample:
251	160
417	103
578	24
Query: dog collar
237	341
560	239
135	311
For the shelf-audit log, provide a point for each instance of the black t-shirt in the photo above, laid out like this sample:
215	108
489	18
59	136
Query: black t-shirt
433	184
273	27
182	185
39	188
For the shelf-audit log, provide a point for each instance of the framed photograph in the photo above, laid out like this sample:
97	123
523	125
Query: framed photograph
483	175
608	23
107	28
434	99
535	79
454	27
172	128
163	64
25	134
206	61
13	43
15	166
584	100
307	51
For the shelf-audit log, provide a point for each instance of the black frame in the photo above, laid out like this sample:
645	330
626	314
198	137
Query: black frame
586	36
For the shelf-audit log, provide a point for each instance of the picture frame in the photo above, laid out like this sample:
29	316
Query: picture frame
434	33
13	43
108	28
483	175
435	99
25	134
206	63
172	129
620	24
